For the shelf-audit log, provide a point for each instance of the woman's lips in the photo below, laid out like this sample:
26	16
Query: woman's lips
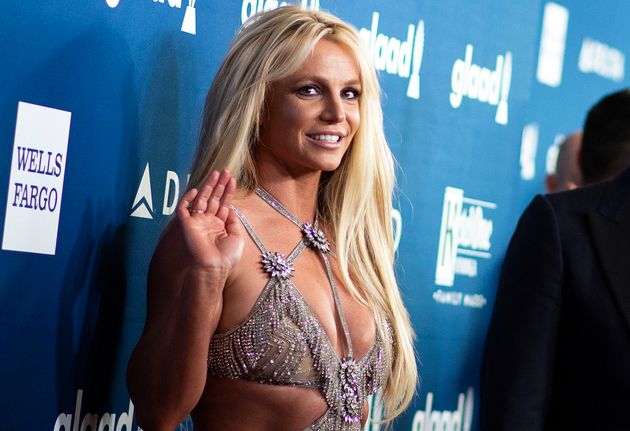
326	140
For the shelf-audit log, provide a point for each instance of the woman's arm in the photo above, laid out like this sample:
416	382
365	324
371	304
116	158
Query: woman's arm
167	371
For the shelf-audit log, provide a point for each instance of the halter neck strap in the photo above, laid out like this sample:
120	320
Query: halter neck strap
314	238
250	230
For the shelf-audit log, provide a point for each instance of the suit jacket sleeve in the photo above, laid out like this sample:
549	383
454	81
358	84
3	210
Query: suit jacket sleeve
518	362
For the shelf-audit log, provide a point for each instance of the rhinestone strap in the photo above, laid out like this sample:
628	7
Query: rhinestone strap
274	263
313	235
267	197
275	204
249	229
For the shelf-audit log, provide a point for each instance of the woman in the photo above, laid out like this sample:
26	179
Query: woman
245	329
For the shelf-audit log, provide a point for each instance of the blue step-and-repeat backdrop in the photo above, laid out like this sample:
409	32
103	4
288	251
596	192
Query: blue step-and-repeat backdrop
100	106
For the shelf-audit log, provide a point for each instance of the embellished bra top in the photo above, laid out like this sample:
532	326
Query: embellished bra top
282	342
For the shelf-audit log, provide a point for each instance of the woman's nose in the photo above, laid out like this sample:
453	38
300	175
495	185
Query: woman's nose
333	110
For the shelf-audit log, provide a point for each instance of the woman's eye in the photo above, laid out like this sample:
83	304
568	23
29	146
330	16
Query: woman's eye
308	90
351	93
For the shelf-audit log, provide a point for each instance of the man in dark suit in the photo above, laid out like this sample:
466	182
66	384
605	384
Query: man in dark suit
558	347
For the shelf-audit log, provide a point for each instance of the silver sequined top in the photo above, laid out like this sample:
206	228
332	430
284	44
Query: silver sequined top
282	342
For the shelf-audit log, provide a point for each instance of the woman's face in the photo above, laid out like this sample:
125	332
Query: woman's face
312	115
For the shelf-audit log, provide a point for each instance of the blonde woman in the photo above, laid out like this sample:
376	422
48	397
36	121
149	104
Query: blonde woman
272	302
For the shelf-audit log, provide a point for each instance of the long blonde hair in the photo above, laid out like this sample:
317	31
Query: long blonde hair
355	200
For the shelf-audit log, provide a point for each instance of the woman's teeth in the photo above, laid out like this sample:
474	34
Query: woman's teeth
326	138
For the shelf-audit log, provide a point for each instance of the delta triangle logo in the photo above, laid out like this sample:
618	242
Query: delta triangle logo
143	202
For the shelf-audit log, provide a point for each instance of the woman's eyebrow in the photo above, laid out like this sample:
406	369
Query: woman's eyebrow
323	80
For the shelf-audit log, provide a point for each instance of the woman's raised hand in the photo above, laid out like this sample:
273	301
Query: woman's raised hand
210	228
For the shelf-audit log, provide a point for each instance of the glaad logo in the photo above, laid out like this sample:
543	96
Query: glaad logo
189	24
397	227
36	179
251	7
482	84
70	422
529	147
142	206
553	39
457	420
171	3
395	57
551	160
601	59
464	237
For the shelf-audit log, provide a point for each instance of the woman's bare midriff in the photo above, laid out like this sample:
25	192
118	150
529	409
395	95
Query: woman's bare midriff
235	405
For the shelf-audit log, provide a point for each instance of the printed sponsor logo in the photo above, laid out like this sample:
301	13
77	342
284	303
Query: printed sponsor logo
78	421
552	154
396	57
397	227
172	3
552	44
529	147
189	23
251	7
143	202
465	234
482	84
459	419
36	180
142	206
602	60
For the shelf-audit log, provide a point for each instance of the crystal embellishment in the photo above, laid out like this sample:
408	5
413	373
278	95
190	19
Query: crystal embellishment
276	265
351	399
315	237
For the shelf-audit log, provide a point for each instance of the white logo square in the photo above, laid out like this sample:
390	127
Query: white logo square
552	44
36	180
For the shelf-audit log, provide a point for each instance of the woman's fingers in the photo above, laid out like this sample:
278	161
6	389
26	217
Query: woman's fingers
226	199
216	196
232	225
200	203
183	208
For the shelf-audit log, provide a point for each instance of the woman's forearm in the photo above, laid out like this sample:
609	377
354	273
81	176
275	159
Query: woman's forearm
167	370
